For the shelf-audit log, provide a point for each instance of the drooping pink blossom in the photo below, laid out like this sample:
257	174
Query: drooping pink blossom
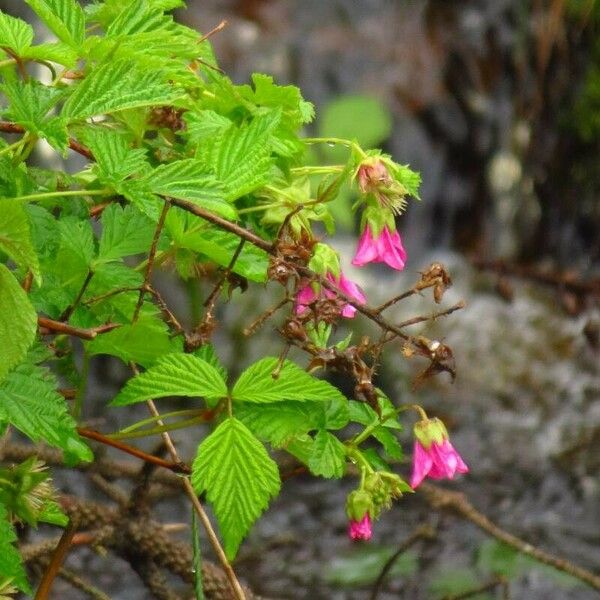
439	461
387	248
307	295
360	530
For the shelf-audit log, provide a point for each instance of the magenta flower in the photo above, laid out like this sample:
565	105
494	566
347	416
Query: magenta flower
360	530
307	295
439	461
387	248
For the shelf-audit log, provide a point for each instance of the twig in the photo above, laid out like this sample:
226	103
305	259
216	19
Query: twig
255	325
396	299
56	562
442	313
150	263
421	532
81	584
84	334
69	310
176	467
441	499
214	30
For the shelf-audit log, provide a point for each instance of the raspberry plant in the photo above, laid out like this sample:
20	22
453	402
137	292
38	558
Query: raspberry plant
180	169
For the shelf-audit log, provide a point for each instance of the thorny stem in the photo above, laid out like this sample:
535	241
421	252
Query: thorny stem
442	313
161	428
189	490
444	499
56	562
257	323
150	265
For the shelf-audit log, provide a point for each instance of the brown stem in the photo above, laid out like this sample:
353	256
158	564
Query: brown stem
252	328
150	263
176	467
56	562
442	313
444	499
69	310
421	532
84	334
398	298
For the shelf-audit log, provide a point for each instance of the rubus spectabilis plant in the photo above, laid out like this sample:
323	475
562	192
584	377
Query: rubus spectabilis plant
180	169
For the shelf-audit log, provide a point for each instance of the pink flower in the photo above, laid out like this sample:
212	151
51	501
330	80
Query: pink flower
360	530
386	248
438	461
306	295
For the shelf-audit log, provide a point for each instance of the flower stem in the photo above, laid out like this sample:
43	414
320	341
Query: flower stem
317	170
336	142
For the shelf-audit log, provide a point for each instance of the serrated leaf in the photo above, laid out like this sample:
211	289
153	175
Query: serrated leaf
125	231
202	124
30	402
65	18
137	16
115	86
57	52
29	105
18	322
256	384
188	179
11	563
389	442
239	478
15	236
77	238
208	353
220	246
328	456
174	375
115	160
142	342
241	156
15	34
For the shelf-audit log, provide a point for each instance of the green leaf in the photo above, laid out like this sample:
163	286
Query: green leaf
362	118
115	160
455	581
18	322
56	52
241	156
29	105
256	384
125	231
207	353
137	16
362	565
276	423
143	342
15	236
15	34
64	18
115	86
11	563
389	442
239	479
328	456
30	402
203	124
220	246
174	375
189	180
77	238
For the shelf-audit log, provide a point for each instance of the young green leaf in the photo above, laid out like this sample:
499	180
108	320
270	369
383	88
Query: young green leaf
30	402
174	375
256	384
241	156
189	180
143	342
64	17
115	160
18	322
11	563
125	231
29	105
53	51
220	246
115	86
203	124
15	236
136	17
328	456
15	34
239	478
